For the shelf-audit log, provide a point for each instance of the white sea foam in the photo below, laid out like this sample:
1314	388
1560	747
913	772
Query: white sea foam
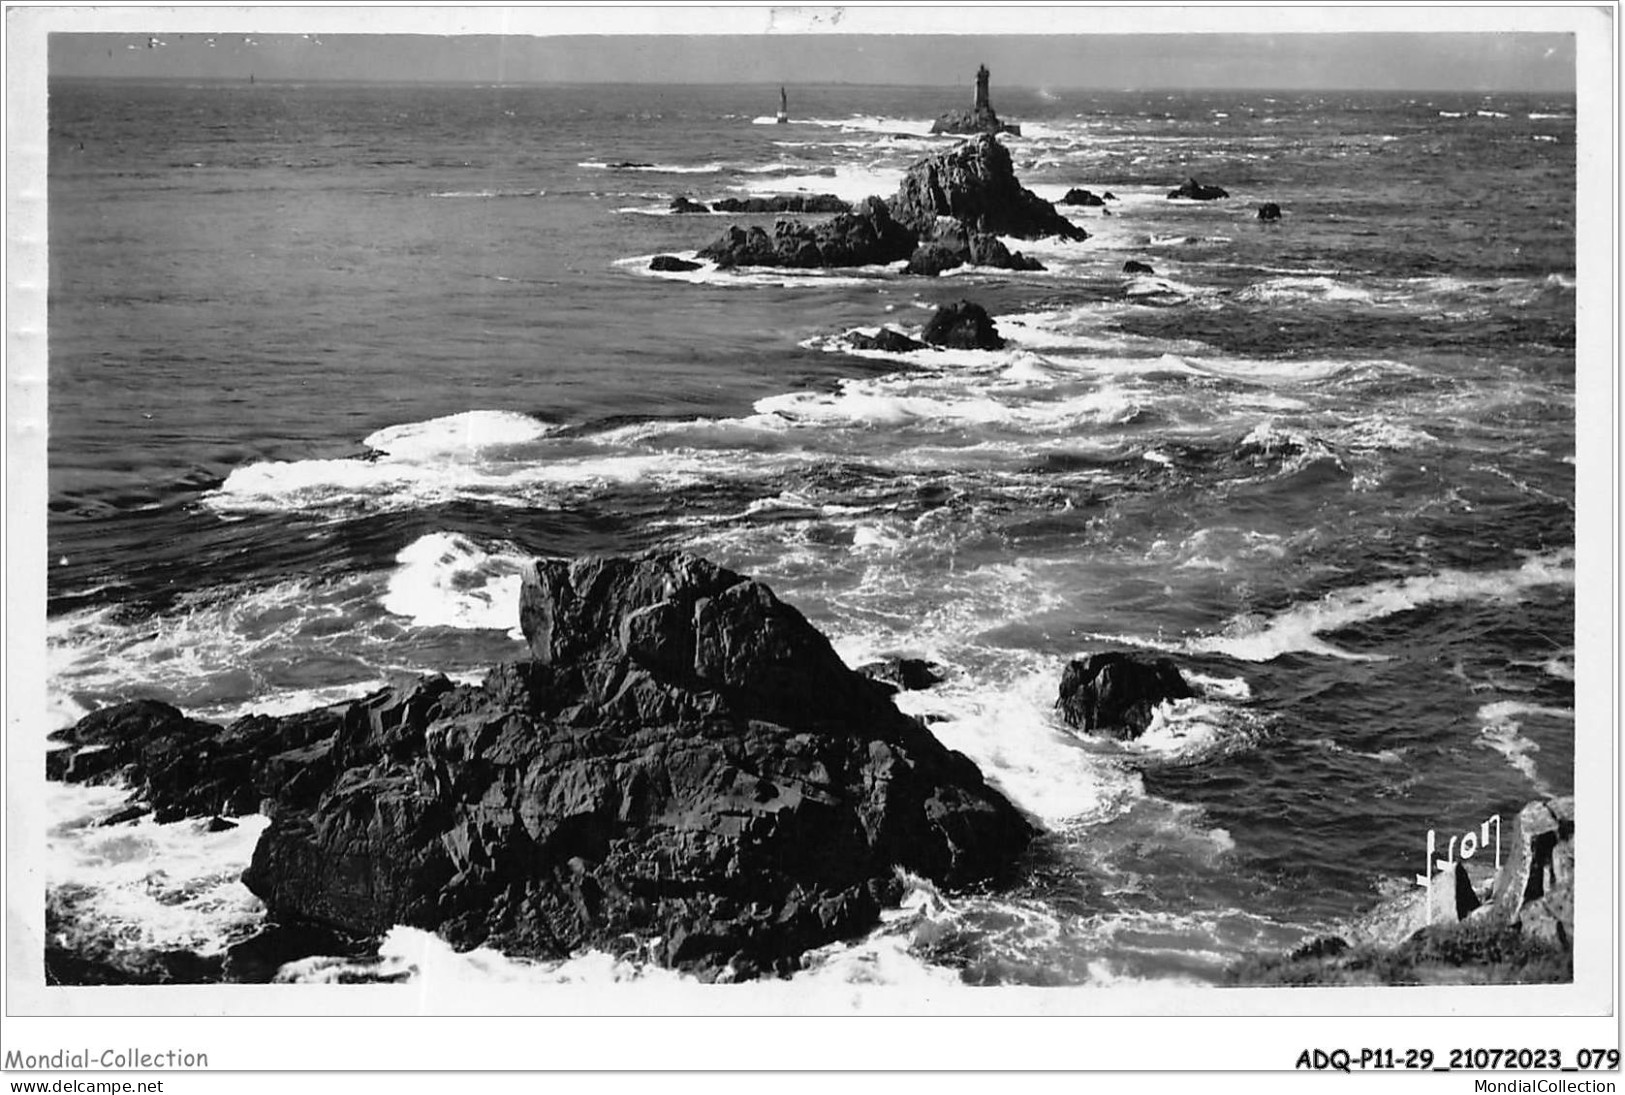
470	432
1502	731
147	886
1304	288
444	579
1298	628
851	183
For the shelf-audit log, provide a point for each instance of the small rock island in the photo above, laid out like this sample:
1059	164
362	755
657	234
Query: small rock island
980	118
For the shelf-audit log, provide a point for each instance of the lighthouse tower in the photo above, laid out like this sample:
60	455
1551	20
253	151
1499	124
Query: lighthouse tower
980	104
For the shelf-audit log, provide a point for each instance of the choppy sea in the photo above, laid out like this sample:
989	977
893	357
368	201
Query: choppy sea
328	363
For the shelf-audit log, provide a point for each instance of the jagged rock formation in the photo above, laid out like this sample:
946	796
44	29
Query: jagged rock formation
684	768
784	203
980	118
1115	693
952	245
975	183
866	236
1269	211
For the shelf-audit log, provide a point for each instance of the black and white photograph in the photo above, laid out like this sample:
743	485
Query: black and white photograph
757	511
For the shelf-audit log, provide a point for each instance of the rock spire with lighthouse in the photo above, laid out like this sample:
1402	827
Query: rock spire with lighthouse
980	118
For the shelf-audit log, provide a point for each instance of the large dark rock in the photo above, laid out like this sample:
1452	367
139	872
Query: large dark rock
784	203
952	245
866	236
682	203
1079	196
1115	693
963	325
1195	191
1269	211
1134	267
671	264
975	183
684	768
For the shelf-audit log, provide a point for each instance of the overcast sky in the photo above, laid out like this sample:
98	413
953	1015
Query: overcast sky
1129	47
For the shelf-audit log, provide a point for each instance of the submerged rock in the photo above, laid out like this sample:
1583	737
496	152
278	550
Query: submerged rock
1115	693
893	342
1269	211
975	183
1195	191
963	325
682	203
866	236
684	768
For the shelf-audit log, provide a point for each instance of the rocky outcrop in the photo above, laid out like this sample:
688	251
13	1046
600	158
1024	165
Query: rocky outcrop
784	203
903	674
866	236
975	183
1079	196
1195	191
1116	694
1269	211
952	245
684	769
671	264
963	325
682	203
1510	927
893	342
1133	267
980	118
1536	888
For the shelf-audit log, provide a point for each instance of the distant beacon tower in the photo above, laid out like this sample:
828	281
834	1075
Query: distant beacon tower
784	107
981	103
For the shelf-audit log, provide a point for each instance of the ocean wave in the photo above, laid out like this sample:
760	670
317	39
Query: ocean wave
1502	732
142	887
1304	289
469	432
1297	629
444	579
